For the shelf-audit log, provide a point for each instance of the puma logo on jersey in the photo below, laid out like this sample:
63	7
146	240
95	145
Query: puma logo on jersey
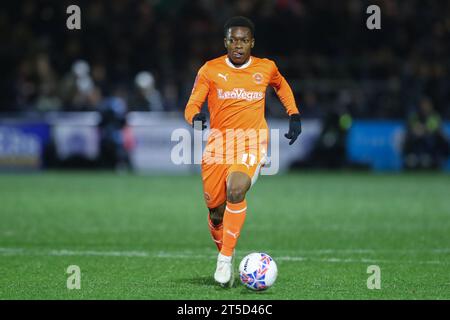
223	76
240	93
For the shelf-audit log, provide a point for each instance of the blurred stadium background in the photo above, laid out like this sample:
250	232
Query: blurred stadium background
108	97
376	99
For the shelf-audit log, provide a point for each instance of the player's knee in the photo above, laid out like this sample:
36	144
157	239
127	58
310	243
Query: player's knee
236	194
237	185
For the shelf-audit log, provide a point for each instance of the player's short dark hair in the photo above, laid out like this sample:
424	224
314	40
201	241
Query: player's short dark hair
239	21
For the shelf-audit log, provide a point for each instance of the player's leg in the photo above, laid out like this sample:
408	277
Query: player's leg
241	176
238	184
214	187
240	179
215	224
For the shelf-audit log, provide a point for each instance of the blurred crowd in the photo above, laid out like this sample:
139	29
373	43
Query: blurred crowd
147	52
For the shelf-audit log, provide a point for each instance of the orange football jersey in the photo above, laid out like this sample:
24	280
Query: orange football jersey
236	96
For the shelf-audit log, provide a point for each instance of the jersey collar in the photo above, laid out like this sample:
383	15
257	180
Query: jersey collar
245	65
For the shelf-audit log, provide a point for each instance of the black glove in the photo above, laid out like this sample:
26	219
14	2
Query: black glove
199	117
295	128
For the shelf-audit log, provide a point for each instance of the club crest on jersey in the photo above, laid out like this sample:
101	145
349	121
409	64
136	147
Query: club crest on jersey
240	93
258	78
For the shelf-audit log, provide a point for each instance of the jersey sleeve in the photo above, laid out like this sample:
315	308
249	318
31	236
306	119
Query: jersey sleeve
198	95
283	90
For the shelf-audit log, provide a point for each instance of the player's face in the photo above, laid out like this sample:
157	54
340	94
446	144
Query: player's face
239	43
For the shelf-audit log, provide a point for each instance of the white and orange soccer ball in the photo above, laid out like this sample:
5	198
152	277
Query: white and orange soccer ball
258	271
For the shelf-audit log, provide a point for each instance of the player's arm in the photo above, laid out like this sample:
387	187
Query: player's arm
199	93
284	93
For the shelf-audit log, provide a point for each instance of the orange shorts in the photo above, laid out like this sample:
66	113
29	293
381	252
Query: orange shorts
215	176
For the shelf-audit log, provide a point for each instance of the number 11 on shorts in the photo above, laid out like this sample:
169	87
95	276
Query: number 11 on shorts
251	158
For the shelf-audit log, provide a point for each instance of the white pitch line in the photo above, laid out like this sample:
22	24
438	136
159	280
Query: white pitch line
363	260
371	251
190	255
65	252
11	251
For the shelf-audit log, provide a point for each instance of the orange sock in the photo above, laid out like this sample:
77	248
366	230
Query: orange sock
216	232
233	220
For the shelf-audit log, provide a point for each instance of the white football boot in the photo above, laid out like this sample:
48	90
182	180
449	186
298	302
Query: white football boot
224	274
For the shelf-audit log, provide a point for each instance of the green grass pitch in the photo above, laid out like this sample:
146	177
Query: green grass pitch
146	237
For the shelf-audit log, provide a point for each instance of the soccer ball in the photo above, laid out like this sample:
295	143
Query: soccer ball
258	271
